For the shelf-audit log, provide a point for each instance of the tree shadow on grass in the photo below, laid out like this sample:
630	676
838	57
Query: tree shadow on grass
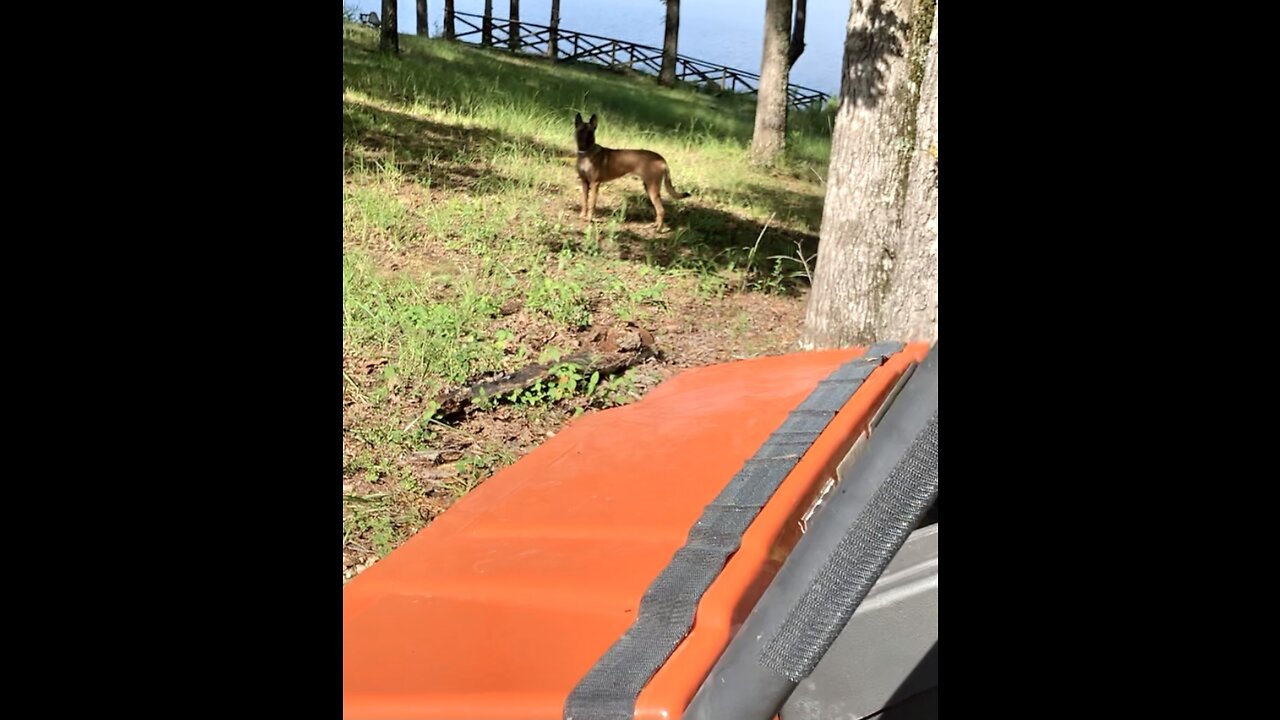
707	240
435	154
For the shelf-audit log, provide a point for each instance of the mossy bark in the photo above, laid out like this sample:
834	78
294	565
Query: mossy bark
909	310
863	245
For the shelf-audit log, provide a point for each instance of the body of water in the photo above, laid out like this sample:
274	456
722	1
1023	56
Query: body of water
727	32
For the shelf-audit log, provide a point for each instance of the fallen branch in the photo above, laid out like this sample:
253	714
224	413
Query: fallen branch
608	360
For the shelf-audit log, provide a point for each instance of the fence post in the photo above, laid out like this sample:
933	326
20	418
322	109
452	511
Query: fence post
513	28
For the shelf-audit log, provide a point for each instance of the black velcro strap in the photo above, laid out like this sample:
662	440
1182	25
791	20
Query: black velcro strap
841	584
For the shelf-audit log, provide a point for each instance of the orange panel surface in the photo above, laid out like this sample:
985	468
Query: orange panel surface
499	607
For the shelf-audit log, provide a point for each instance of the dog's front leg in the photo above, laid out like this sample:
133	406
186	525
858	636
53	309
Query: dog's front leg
586	189
595	195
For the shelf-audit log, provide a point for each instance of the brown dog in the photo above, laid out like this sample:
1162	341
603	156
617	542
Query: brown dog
598	165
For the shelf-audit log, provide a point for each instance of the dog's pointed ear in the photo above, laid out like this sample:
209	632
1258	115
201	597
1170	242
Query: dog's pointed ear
577	120
592	121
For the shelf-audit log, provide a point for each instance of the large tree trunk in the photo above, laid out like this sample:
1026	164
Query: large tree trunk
872	154
797	35
667	75
486	25
449	31
770	136
513	26
911	305
390	41
553	36
421	8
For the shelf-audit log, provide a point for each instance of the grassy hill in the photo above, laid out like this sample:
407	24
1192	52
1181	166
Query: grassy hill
464	258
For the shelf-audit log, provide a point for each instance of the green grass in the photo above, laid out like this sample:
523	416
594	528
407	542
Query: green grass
464	258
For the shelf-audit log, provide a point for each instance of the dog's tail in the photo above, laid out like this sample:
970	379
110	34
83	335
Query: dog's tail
666	179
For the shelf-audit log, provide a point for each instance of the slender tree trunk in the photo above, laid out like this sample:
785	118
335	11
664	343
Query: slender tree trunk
910	310
486	25
872	158
421	7
513	26
553	41
770	136
797	35
390	41
449	31
667	75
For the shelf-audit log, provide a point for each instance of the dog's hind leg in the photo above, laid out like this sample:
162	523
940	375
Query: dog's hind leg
655	197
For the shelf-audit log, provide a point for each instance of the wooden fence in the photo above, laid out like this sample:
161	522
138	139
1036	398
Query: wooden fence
572	46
